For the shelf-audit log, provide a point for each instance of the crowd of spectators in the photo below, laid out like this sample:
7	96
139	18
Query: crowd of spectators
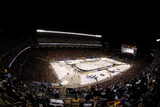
36	67
82	41
140	85
64	53
9	56
137	87
38	70
67	39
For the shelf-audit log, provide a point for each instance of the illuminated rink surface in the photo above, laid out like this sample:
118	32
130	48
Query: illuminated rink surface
76	73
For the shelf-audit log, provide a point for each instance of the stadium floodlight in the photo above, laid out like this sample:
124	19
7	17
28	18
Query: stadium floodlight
158	40
70	33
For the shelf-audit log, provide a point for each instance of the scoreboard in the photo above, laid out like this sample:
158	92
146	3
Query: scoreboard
129	49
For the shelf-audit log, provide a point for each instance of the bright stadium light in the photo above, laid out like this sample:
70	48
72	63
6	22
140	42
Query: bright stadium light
71	33
158	40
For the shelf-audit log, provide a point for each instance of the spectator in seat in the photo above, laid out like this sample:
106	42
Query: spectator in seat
87	103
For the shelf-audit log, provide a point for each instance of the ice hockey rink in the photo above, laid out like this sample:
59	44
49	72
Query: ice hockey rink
80	72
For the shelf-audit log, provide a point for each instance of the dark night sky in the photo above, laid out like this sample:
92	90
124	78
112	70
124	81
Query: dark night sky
119	25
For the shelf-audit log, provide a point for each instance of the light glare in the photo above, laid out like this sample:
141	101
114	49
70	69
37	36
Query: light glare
71	33
158	40
64	82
